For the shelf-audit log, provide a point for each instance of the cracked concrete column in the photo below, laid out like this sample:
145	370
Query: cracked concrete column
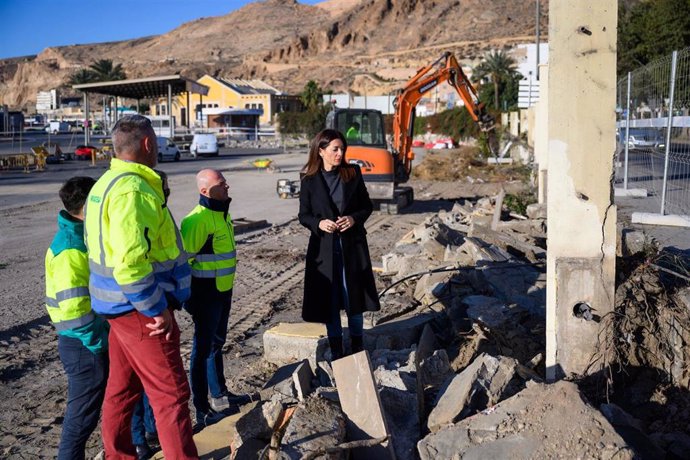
581	213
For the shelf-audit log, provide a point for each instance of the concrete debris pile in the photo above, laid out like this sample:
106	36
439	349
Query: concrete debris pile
453	362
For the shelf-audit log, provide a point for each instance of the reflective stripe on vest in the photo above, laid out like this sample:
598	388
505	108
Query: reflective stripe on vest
215	257
72	323
213	272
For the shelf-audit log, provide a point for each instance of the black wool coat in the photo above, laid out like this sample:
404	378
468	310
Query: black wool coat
315	204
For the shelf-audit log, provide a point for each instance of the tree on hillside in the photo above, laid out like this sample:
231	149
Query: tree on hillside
312	95
104	70
650	30
81	76
500	69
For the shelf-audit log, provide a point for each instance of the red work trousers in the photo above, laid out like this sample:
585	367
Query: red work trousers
139	361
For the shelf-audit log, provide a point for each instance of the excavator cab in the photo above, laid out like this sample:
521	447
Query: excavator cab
360	126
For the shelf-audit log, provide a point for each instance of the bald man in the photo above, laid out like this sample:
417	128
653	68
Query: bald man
209	239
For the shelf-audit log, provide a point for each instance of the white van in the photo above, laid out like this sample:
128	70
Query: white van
167	150
204	144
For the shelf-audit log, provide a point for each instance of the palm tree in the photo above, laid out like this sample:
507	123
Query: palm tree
311	95
81	76
499	68
104	70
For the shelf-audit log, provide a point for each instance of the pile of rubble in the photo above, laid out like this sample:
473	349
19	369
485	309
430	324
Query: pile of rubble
453	366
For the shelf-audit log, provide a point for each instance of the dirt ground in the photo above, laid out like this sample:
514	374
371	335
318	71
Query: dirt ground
268	289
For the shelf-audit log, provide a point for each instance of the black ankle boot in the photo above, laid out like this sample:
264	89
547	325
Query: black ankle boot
336	344
356	343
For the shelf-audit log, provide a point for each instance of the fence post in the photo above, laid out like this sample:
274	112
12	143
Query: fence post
674	60
627	134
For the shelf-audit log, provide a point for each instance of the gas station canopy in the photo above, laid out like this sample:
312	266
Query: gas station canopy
145	88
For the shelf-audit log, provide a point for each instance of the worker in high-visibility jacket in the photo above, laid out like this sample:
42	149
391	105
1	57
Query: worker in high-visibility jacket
209	240
82	335
139	273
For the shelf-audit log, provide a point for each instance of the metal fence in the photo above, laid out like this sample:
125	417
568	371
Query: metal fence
653	132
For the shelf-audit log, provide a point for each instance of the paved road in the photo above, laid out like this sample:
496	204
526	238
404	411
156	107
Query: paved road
253	190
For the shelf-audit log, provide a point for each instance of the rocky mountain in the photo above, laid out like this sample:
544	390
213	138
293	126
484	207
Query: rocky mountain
363	46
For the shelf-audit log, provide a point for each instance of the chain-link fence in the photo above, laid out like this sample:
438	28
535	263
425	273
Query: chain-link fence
653	132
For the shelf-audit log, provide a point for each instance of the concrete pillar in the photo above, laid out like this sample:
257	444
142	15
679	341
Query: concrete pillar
541	133
581	214
515	123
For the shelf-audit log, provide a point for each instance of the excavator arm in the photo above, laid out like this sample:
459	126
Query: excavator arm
405	102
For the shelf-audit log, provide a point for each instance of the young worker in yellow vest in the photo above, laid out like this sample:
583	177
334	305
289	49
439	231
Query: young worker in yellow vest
209	240
82	335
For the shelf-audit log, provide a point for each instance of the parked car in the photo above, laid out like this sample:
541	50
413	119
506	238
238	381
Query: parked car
204	144
643	138
167	150
84	152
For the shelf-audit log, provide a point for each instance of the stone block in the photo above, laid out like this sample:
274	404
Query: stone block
288	343
631	242
316	424
477	387
536	211
360	402
302	377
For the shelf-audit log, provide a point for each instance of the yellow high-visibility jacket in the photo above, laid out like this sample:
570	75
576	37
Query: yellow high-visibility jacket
136	256
209	240
67	286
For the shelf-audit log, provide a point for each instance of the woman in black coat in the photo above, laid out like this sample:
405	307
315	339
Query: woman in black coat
334	204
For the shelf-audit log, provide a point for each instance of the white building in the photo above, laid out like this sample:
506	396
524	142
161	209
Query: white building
526	58
46	101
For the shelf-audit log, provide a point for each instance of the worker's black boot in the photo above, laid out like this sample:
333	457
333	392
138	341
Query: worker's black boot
336	344
356	343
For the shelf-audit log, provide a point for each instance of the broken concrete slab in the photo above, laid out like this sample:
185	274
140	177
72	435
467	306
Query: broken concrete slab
477	387
254	429
480	251
487	311
432	287
301	378
395	375
280	386
542	421
400	333
435	369
288	343
524	286
401	264
316	424
361	404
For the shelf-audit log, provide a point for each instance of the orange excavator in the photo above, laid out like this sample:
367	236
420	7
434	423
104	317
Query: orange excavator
384	170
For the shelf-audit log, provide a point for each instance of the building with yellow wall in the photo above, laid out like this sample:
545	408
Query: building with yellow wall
231	93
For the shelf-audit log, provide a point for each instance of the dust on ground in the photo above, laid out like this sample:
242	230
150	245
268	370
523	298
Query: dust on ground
466	164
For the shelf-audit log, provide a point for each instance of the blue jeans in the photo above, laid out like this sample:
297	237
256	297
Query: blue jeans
142	421
340	297
86	377
206	363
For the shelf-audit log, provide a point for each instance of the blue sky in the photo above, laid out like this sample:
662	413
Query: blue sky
29	26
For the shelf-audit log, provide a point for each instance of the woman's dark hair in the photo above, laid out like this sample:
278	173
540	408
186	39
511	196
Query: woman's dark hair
73	193
315	162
